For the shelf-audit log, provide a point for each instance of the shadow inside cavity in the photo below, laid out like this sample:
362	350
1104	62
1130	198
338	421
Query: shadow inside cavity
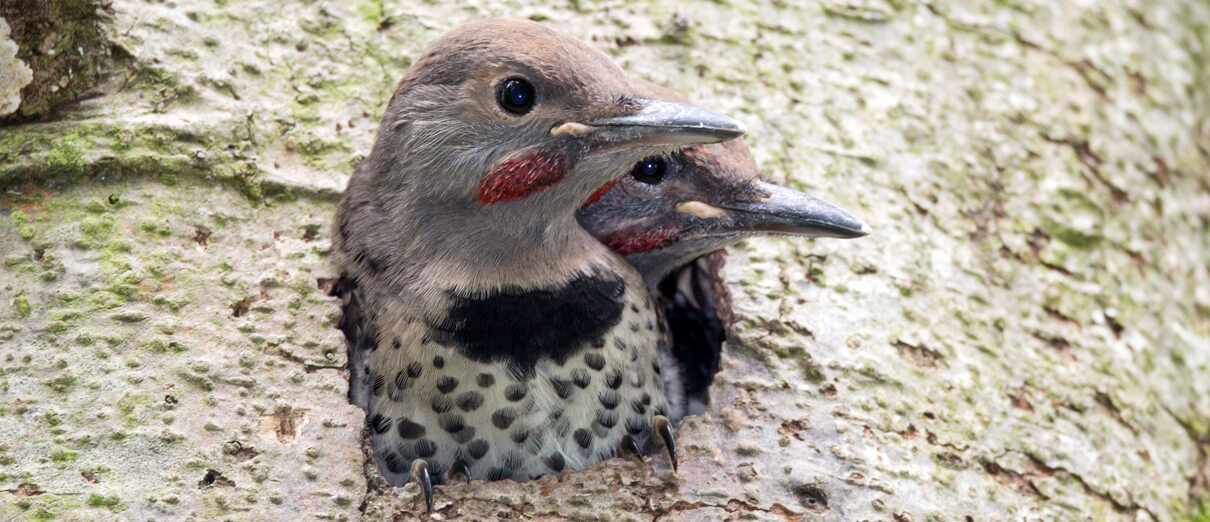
691	297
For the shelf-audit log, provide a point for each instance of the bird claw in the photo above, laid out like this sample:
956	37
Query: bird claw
459	468
664	427
630	446
420	475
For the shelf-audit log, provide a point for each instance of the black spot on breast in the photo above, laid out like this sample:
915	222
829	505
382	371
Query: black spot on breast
609	399
497	474
580	377
583	438
607	419
379	424
414	370
562	387
515	392
594	360
451	423
519	435
438	362
380	382
470	401
637	406
464	435
634	327
635	425
442	404
402	381
503	418
521	326
447	384
486	380
425	448
395	393
396	344
554	461
613	379
619	344
477	448
394	462
409	429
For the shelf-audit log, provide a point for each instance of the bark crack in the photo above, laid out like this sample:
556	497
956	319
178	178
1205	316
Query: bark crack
1199	483
1025	482
731	506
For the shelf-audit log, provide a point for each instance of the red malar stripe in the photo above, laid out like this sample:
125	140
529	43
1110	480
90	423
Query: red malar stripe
519	177
644	241
600	192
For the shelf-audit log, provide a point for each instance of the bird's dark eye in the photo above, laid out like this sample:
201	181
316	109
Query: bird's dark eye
516	95
650	171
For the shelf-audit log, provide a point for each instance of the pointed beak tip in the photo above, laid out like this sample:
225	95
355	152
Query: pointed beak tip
667	123
740	128
865	229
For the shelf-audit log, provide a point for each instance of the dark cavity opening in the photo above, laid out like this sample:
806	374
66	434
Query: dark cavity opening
691	296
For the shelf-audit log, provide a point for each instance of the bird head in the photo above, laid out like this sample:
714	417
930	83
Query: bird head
674	207
492	140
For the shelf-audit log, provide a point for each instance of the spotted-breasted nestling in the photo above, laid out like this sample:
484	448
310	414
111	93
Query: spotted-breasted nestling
674	208
491	337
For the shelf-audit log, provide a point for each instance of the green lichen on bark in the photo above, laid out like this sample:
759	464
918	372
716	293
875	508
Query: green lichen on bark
1023	335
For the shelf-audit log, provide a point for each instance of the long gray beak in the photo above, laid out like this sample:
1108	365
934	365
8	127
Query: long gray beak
666	123
787	211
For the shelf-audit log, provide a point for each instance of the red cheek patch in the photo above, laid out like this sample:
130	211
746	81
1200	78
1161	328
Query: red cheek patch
519	177
645	241
600	192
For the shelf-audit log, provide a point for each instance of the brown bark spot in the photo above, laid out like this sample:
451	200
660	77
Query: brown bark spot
283	426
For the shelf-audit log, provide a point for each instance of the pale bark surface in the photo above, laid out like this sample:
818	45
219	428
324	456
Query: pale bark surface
1024	336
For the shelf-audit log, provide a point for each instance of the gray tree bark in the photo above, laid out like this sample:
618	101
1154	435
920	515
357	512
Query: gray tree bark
1026	335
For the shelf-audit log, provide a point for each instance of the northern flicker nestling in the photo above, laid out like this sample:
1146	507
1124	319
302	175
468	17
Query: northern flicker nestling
676	207
491	337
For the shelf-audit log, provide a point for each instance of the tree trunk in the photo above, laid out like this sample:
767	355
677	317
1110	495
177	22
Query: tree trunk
1025	335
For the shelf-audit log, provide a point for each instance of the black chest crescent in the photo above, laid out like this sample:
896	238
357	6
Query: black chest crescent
521	326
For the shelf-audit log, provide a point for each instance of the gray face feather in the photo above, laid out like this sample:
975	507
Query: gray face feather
704	199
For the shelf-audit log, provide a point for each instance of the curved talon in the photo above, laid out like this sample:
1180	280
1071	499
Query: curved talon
628	444
420	474
664	427
459	468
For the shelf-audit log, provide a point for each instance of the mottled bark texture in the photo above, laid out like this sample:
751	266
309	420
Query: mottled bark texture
1024	336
